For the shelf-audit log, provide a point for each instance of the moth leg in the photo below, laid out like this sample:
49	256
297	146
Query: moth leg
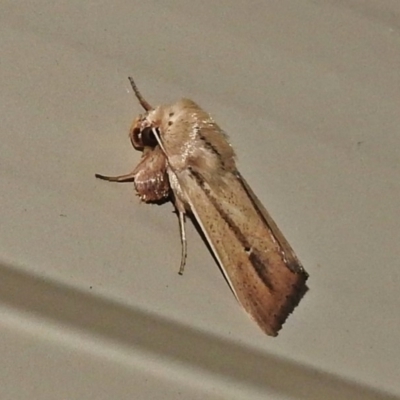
120	178
183	240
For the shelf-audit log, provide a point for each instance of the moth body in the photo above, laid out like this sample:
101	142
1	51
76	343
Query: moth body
187	157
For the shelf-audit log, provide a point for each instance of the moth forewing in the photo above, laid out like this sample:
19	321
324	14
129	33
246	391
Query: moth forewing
289	255
251	257
189	156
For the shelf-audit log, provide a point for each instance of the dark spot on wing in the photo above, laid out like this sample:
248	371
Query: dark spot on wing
254	256
293	266
261	269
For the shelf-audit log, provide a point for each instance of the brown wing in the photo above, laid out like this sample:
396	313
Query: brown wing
259	264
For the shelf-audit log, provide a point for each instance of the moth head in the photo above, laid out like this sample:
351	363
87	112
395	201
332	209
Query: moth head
142	137
141	134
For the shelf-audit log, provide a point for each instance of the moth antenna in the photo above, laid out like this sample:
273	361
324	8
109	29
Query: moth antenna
139	96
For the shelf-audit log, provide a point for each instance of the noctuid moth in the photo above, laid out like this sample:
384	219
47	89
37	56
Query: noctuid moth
187	157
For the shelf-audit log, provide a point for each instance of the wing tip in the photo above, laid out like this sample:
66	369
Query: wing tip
292	298
288	301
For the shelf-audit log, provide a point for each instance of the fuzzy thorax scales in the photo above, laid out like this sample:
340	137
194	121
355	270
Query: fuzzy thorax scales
192	138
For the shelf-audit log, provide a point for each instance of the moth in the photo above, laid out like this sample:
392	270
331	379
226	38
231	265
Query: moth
186	157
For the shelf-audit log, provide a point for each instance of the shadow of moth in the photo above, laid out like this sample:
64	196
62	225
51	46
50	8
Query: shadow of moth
187	157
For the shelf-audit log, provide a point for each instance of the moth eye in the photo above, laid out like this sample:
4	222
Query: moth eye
147	138
136	138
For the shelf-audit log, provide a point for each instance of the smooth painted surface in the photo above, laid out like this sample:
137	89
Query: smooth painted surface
91	303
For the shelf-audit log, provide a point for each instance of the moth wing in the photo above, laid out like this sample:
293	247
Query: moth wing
291	259
257	261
